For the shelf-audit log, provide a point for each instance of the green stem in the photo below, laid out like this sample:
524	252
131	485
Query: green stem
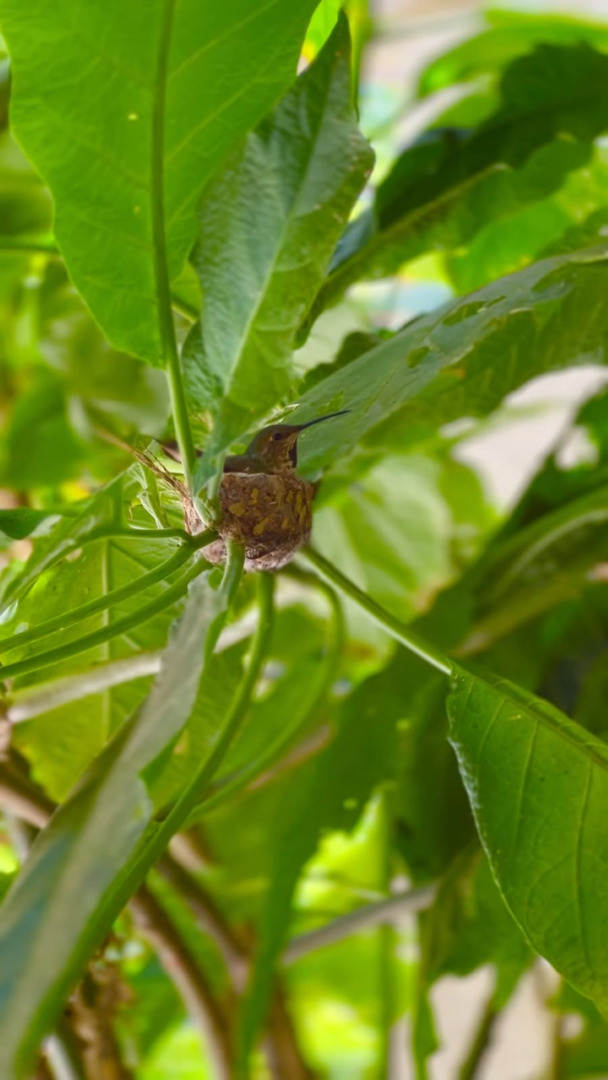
470	1067
101	603
153	534
106	633
236	714
166	326
231	783
393	626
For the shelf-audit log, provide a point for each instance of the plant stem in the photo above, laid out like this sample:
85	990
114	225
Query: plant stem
393	626
155	924
208	917
106	633
179	405
185	308
233	782
380	913
236	714
470	1067
101	603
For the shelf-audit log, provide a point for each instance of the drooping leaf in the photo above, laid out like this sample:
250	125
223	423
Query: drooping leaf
432	815
73	882
453	182
538	566
162	94
270	220
538	786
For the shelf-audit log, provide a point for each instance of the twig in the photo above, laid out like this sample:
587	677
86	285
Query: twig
62	1054
209	918
21	797
481	1040
156	926
280	1044
381	913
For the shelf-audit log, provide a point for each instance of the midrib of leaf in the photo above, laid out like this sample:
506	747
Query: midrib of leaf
159	242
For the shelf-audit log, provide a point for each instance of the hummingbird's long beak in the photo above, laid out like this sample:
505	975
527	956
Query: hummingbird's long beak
321	419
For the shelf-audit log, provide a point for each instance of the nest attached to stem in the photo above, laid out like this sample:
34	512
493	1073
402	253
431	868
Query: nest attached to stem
269	513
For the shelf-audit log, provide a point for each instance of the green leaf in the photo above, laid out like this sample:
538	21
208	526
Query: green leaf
538	786
22	522
546	221
513	33
451	364
93	516
72	884
541	564
161	96
452	183
270	220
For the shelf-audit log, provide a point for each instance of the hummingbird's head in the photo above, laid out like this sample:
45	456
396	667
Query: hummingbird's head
276	446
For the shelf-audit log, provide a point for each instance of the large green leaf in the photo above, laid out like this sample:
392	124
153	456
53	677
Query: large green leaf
451	183
161	94
538	786
72	884
550	560
462	360
270	220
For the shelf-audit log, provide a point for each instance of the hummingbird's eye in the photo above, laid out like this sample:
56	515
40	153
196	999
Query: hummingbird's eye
277	436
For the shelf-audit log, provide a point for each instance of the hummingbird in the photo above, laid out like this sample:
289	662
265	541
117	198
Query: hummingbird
273	449
264	504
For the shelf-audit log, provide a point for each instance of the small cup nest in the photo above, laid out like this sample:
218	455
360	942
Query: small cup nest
269	513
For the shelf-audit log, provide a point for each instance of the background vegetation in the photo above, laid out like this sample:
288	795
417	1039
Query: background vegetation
290	804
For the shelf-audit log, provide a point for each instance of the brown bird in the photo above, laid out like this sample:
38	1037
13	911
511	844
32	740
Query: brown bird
264	504
274	449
